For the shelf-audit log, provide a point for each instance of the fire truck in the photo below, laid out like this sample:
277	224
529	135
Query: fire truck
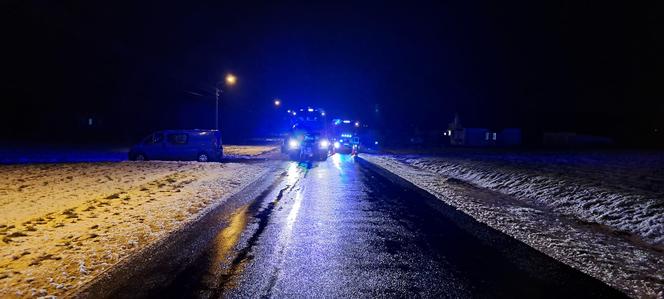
346	136
308	137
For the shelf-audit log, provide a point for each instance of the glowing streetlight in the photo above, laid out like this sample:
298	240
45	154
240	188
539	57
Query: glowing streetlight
231	79
277	102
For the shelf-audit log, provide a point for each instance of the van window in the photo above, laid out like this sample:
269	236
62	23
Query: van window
154	138
177	138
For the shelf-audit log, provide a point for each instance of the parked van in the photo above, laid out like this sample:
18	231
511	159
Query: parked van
198	145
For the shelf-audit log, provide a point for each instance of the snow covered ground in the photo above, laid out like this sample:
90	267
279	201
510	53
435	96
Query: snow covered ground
62	224
248	150
601	213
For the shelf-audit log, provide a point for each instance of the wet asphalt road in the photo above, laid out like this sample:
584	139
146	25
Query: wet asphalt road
338	229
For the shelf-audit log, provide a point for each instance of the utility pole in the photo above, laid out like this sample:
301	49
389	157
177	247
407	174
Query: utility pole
230	81
216	108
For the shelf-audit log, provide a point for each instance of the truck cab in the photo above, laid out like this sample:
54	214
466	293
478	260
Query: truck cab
308	136
346	136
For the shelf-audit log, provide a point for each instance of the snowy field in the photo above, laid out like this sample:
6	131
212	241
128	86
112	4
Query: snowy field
620	190
248	150
602	213
62	224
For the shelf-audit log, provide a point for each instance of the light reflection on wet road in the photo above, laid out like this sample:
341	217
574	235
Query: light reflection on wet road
337	229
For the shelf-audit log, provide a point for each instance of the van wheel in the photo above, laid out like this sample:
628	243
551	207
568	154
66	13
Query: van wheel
203	157
139	157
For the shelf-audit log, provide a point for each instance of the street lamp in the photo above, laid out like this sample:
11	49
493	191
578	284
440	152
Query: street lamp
277	102
230	81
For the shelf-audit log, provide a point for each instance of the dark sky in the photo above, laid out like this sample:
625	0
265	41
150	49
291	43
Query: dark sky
593	67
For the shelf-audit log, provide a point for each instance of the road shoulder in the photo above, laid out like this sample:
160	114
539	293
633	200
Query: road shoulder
66	225
635	270
152	267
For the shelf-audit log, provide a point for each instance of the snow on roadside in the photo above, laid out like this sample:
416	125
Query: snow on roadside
248	150
638	212
634	267
61	224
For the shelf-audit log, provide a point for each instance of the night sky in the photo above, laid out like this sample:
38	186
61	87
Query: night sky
593	68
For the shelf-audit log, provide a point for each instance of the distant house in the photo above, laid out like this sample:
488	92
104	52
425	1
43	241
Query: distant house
481	137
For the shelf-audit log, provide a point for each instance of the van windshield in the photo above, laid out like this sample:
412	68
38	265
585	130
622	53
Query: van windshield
153	138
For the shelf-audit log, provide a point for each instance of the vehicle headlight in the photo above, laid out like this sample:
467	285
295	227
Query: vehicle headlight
292	143
337	144
324	143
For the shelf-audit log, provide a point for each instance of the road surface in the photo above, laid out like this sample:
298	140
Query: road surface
338	229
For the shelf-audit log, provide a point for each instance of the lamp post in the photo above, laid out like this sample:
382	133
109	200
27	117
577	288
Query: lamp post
216	108
230	81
